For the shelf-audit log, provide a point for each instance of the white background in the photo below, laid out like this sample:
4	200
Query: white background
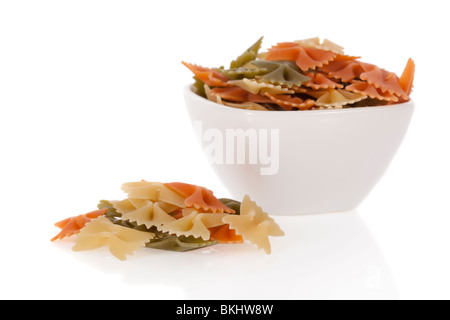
91	97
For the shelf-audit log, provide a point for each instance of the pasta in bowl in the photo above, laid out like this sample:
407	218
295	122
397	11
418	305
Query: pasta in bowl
304	137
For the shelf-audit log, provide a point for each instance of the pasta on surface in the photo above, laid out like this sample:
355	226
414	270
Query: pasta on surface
199	197
73	225
194	224
254	224
172	216
153	191
101	232
145	212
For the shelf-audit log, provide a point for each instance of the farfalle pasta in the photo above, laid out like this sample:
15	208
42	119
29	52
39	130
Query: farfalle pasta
254	224
301	75
170	216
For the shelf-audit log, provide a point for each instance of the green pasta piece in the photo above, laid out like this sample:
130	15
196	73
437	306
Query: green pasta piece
232	204
198	87
281	73
240	73
104	204
111	213
179	244
249	55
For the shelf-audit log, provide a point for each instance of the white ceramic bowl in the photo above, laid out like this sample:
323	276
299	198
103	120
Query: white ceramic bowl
299	162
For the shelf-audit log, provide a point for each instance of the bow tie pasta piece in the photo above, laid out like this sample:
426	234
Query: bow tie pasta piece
326	45
73	225
305	57
283	73
257	87
211	96
215	97
346	70
288	103
254	225
199	197
209	76
370	90
194	224
241	73
153	191
249	55
145	212
180	244
384	80
407	78
238	94
336	98
320	81
102	232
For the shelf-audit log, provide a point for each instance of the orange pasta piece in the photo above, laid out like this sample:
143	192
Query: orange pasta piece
199	197
238	94
320	81
346	70
370	90
407	78
288	103
209	76
384	80
73	225
344	57
305	57
224	234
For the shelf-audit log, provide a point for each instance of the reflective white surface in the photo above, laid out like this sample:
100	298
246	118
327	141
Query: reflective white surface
329	256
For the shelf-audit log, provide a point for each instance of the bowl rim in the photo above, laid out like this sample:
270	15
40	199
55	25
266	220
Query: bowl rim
409	103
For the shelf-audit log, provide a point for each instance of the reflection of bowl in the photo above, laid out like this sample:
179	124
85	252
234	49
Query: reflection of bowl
299	162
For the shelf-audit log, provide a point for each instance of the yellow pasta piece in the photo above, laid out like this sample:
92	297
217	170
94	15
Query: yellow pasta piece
254	224
121	241
211	96
335	98
256	87
325	45
194	224
153	191
145	212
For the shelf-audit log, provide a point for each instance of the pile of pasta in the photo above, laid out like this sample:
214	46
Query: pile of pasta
301	75
171	216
